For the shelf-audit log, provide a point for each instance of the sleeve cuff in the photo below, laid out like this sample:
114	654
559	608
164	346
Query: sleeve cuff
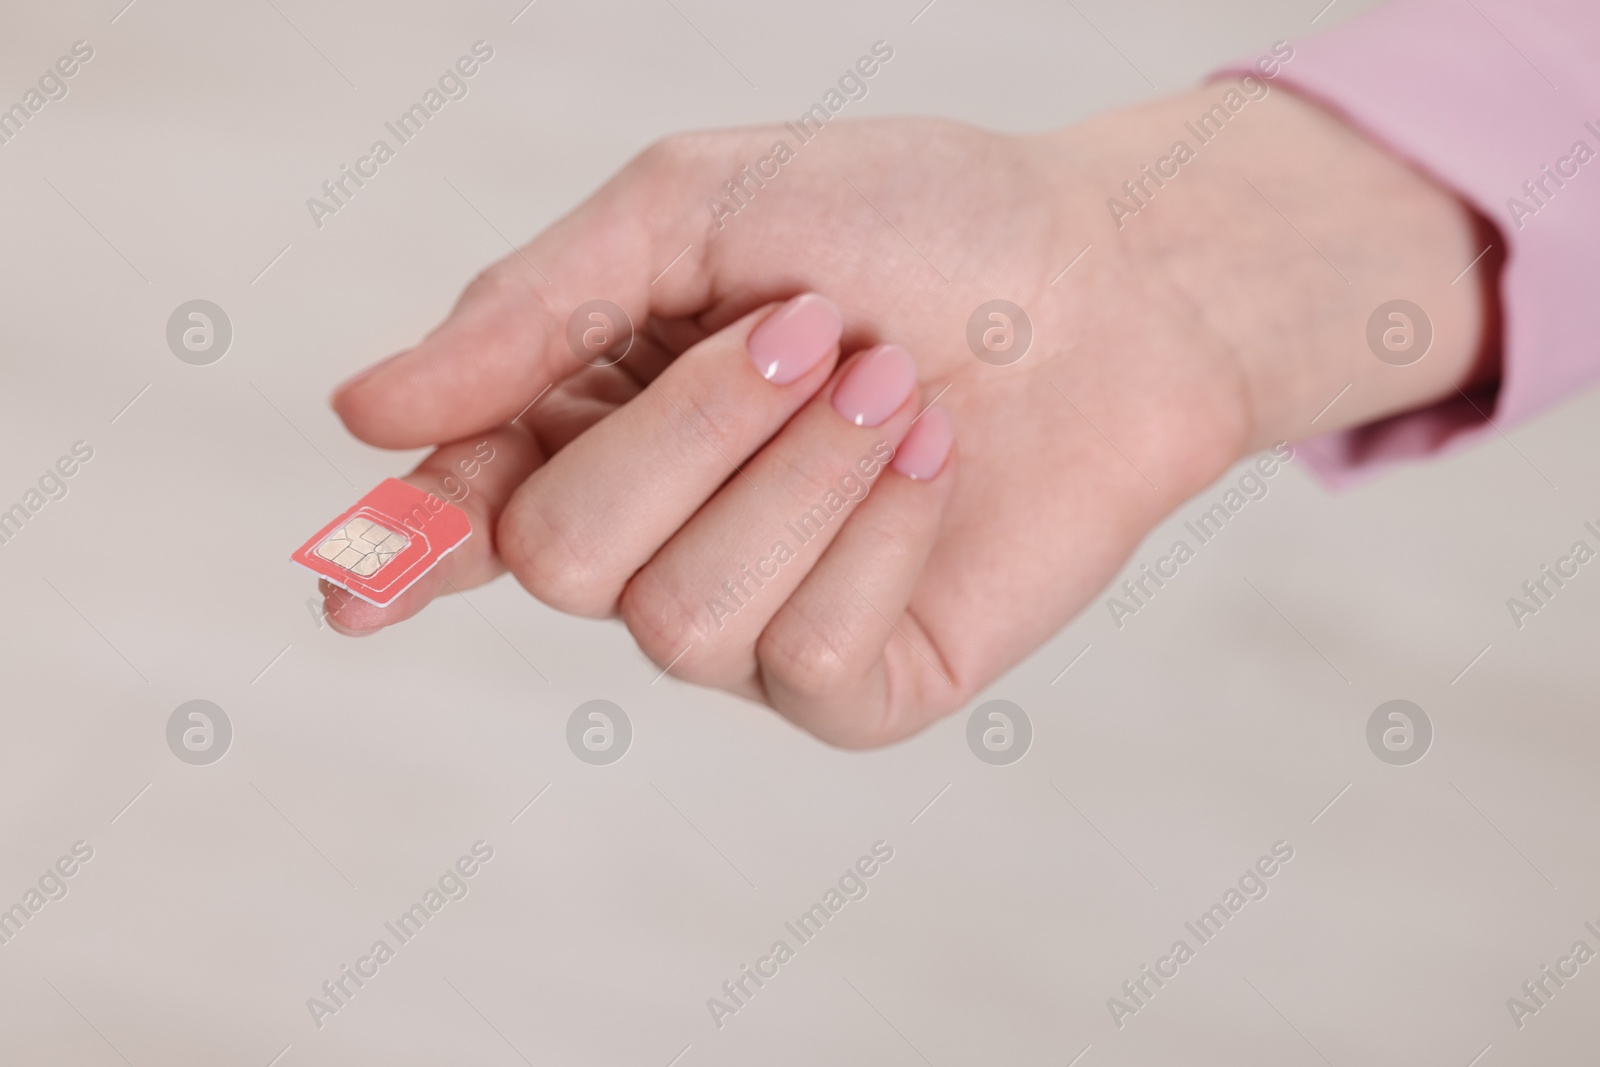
1501	104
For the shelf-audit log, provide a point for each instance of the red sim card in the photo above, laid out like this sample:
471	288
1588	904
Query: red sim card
390	538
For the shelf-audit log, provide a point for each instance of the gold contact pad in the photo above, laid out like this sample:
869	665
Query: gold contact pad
362	547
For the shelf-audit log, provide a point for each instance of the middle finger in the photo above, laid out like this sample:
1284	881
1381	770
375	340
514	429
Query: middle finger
585	522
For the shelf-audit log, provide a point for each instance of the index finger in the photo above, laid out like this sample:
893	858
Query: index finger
478	475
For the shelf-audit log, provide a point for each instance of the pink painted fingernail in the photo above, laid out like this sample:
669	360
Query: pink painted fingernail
921	455
795	338
876	386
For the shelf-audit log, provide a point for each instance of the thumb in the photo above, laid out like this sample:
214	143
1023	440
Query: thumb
508	337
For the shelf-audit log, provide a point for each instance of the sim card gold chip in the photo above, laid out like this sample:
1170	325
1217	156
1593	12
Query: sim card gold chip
361	546
381	545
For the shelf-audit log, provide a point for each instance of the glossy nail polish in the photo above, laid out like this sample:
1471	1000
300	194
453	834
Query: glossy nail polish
922	454
875	386
795	338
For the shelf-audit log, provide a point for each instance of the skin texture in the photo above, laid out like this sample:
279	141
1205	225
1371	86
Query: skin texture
1208	325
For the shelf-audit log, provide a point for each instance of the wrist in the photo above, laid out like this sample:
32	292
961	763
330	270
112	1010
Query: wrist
1396	320
1284	234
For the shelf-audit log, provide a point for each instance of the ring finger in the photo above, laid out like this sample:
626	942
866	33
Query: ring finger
704	599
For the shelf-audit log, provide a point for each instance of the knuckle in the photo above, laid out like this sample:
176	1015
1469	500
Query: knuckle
803	479
660	160
855	720
661	619
552	565
710	431
507	285
856	729
673	152
804	659
501	279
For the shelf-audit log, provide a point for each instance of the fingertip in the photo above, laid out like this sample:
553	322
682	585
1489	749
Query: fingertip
338	628
795	337
349	615
925	451
370	406
474	371
348	385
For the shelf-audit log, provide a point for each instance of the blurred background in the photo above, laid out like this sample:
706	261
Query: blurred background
1166	757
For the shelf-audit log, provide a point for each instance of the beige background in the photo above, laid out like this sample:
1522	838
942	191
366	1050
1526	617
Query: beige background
1170	756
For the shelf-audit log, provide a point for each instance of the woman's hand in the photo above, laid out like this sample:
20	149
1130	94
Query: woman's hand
1167	342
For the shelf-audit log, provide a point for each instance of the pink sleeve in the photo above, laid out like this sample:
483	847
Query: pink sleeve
1484	95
